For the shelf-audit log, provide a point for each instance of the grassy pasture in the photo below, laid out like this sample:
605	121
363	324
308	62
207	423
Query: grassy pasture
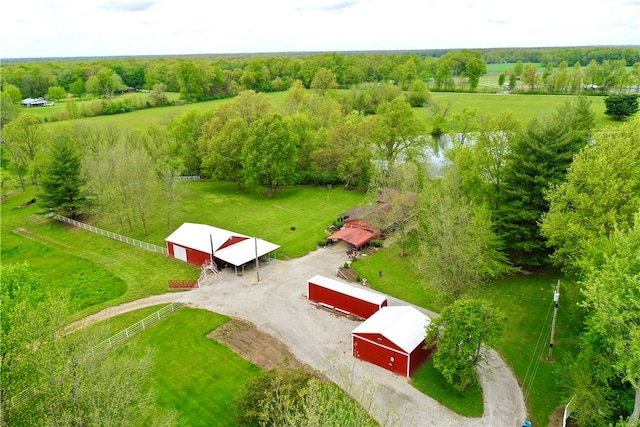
98	272
140	119
525	107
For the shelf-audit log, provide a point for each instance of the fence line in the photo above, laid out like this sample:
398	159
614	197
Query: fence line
115	236
189	178
137	327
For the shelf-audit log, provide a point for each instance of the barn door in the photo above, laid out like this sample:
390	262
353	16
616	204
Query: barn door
180	253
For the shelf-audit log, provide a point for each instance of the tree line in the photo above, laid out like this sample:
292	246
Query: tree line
202	78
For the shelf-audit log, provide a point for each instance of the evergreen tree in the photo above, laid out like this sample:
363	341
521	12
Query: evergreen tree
62	181
538	159
621	106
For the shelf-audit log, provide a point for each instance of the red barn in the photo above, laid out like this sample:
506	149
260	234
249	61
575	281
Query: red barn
198	243
393	338
344	297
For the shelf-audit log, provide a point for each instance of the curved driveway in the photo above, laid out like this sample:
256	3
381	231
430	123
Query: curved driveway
277	305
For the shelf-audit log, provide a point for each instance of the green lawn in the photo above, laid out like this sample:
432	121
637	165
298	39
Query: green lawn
97	271
193	374
430	381
525	107
140	119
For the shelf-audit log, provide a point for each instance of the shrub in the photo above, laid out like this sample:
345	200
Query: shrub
258	393
376	243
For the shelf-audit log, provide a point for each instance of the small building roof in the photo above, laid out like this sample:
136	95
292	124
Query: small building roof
347	289
245	251
356	236
201	236
403	325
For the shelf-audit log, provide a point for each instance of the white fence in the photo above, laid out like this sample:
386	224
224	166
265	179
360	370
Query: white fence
137	327
189	178
115	236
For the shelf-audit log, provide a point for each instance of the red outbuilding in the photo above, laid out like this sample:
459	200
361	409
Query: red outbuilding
200	243
344	297
393	338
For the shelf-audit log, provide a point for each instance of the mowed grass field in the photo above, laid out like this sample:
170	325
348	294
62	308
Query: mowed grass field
195	375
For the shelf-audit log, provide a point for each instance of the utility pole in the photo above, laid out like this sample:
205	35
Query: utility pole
556	298
255	239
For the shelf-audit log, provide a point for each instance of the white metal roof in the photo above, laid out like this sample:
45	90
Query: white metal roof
404	326
245	251
202	237
347	289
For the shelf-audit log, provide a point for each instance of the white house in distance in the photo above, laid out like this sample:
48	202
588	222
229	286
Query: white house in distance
198	244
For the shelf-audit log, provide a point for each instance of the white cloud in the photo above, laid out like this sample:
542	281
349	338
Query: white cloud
44	28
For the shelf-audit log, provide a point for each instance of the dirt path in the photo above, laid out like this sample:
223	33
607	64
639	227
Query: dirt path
278	307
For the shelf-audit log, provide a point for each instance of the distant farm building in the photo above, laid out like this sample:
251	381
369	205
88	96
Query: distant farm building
36	102
346	298
198	244
394	339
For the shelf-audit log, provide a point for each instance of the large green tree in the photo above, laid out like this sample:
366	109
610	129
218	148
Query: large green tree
538	158
396	131
223	154
601	191
461	332
620	106
458	248
62	181
269	155
10	103
24	138
611	289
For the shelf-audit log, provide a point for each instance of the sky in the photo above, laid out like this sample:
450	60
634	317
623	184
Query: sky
79	28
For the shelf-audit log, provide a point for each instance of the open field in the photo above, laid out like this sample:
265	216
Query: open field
525	107
140	119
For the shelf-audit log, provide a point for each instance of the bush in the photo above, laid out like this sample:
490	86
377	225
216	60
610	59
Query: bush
346	265
376	243
358	278
258	393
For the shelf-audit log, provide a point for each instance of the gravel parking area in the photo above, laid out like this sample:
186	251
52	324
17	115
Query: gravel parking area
278	306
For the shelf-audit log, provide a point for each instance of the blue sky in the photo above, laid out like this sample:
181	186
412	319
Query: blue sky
67	28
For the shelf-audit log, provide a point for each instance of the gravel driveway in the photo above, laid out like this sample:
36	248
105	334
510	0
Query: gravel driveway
277	305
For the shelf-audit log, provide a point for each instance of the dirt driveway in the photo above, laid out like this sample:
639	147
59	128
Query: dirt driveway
277	305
